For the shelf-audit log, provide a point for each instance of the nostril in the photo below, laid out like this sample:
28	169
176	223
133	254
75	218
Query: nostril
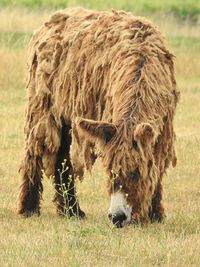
119	218
110	216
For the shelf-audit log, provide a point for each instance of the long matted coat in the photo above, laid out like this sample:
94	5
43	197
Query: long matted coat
100	80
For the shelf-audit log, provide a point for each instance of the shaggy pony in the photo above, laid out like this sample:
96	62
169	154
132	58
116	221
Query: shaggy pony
100	84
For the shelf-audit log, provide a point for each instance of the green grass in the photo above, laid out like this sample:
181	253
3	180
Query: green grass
51	240
185	42
13	39
182	9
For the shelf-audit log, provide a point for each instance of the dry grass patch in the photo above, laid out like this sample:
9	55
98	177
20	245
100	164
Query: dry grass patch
22	19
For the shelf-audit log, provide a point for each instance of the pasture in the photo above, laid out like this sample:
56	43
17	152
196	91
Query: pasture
52	240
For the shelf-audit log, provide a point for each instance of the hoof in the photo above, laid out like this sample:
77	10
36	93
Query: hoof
70	213
81	215
28	213
160	218
78	213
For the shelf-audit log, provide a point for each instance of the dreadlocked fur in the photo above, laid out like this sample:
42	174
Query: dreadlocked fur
113	68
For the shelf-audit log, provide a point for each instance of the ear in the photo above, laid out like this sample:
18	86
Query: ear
96	129
144	133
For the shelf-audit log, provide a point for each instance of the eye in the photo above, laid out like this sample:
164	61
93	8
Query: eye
107	136
108	133
135	146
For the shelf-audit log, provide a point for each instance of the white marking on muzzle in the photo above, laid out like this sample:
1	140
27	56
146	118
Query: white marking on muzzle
119	205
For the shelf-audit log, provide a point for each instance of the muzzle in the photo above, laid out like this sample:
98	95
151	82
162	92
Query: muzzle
119	211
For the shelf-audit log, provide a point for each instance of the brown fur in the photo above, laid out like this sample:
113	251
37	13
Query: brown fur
109	76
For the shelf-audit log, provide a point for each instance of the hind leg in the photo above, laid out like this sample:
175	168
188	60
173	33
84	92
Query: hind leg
31	186
65	196
157	210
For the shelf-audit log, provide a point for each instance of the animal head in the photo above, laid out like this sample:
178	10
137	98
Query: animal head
123	147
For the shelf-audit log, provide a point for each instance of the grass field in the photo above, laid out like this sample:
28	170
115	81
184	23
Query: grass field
51	240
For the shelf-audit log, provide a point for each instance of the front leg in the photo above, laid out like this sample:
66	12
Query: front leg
157	212
31	186
65	196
